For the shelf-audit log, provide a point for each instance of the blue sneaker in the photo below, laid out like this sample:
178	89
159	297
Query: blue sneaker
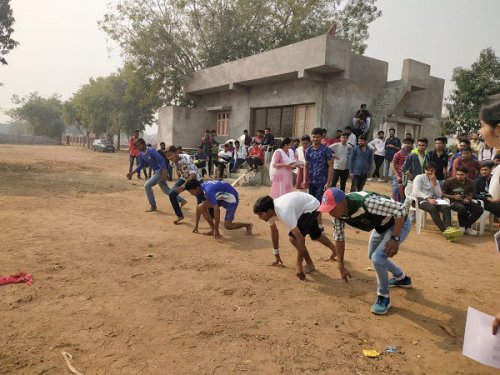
381	306
403	283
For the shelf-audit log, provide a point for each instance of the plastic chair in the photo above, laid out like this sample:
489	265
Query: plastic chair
420	215
482	220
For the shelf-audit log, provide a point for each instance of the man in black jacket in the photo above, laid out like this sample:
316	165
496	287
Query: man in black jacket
481	192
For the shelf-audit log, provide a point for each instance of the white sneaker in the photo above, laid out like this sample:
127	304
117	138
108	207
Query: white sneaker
369	179
471	232
381	180
462	229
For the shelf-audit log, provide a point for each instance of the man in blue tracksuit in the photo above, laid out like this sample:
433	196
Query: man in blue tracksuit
152	158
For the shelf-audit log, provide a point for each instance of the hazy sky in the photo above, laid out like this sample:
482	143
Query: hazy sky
61	46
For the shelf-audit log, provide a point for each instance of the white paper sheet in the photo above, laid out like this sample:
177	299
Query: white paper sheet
479	344
442	201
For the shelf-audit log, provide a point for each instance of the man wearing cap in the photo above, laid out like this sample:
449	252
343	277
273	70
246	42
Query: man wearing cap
389	225
298	211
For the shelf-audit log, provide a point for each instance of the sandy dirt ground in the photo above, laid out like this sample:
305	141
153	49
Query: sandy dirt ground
126	292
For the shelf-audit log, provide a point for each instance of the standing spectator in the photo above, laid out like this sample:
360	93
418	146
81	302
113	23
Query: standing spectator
162	151
397	170
280	169
408	136
462	144
352	139
239	155
215	147
475	143
439	156
392	145
268	138
186	170
341	152
301	160
414	163
460	191
159	177
295	145
325	140
134	153
245	139
361	121
255	156
482	191
337	137
486	153
359	164
465	160
378	146
318	170
427	190
206	143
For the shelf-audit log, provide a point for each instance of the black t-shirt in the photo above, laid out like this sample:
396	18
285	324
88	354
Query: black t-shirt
441	162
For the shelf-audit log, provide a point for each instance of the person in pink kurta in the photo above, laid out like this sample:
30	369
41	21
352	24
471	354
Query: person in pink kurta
280	170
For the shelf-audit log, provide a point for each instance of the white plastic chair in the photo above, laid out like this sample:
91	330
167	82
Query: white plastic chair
482	220
420	215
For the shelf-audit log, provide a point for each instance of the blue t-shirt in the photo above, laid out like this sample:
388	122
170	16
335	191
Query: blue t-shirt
220	193
152	158
317	160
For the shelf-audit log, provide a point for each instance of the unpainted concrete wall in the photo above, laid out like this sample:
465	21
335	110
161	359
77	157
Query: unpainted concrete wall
29	139
183	126
344	96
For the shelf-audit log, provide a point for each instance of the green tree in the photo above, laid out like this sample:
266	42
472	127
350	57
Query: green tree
120	102
43	115
168	39
7	44
473	86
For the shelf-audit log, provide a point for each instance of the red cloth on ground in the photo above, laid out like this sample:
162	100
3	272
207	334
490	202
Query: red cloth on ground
20	277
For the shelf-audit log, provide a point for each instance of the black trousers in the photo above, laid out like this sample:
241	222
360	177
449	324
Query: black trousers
379	160
467	213
494	208
342	174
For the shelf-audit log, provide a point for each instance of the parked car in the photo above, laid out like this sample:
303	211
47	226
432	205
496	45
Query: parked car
103	145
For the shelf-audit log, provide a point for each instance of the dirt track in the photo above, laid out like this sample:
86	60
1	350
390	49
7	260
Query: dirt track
126	292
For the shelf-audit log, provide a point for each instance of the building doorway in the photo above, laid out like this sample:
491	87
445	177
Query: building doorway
285	121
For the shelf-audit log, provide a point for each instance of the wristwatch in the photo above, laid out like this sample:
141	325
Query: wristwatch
395	238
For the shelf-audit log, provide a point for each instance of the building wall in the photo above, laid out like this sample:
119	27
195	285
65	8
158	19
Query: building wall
343	96
183	126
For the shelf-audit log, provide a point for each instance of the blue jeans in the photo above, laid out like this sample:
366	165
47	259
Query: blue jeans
395	190
317	190
131	163
156	180
175	197
380	261
358	182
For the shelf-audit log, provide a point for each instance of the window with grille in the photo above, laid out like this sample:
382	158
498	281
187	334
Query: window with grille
286	121
223	124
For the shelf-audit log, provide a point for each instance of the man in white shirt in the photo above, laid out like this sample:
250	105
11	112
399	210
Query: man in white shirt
427	190
297	210
341	153
351	139
239	155
378	146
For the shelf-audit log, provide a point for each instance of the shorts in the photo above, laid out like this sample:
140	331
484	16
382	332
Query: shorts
308	225
230	211
317	190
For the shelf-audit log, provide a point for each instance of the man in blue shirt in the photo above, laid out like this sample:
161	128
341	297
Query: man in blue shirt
360	161
149	156
217	194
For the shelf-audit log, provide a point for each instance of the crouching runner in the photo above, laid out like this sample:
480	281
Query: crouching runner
217	194
389	225
297	211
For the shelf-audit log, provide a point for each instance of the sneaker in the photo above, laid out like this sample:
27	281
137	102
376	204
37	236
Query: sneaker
369	179
471	232
403	283
381	306
381	180
462	229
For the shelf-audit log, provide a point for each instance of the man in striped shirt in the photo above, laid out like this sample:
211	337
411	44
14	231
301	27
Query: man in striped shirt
389	226
397	170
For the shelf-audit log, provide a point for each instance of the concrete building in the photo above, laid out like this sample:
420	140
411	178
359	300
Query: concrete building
317	82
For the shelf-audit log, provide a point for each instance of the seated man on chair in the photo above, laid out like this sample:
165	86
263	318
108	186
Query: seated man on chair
460	191
427	191
481	187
